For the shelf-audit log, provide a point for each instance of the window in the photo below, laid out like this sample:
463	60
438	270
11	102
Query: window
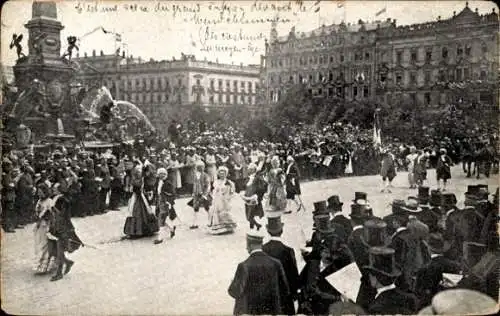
243	86
413	97
444	52
249	87
220	84
228	99
211	99
383	77
331	59
155	98
249	100
280	63
330	76
482	76
197	82
315	58
271	79
442	75
228	85
212	84
428	56
279	79
320	59
137	83
341	58
219	98
427	77
242	98
460	50
179	82
484	48
399	78
466	74
367	55
413	55
330	92
451	75
458	74
354	91
301	79
399	57
290	79
467	50
278	96
235	86
366	92
310	78
413	78
427	98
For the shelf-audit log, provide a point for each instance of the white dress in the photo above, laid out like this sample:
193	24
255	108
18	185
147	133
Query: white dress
43	262
220	219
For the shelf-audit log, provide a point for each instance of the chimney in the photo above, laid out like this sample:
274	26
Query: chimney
123	54
85	54
102	53
93	53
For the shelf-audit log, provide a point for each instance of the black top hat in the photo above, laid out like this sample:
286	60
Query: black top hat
320	208
360	196
274	225
423	195
448	199
334	201
382	261
435	199
323	224
437	244
375	233
397	206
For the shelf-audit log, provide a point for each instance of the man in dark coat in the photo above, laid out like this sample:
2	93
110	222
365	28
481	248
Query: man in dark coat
259	285
276	249
335	207
389	298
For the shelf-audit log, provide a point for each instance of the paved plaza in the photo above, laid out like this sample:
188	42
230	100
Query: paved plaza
187	275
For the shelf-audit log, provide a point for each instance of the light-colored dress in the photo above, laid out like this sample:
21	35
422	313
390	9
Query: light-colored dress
220	219
44	259
211	168
275	201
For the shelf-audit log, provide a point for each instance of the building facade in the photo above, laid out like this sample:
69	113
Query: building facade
435	63
154	86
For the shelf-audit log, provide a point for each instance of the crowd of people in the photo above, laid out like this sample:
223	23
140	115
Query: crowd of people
428	257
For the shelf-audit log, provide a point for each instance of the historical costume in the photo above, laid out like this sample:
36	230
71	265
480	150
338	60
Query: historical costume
443	171
24	195
410	161
252	196
141	220
237	164
220	220
211	164
387	170
259	285
165	200
420	168
276	195
201	192
63	232
44	248
292	185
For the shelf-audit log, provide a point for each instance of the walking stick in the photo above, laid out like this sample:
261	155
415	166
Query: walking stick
83	244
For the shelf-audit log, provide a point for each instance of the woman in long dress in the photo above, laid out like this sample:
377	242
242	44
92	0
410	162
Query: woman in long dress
275	204
220	219
142	221
44	248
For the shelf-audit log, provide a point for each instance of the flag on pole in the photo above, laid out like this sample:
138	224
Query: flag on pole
118	37
316	10
381	11
377	136
340	3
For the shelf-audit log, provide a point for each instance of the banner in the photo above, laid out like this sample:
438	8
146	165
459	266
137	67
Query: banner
377	135
381	11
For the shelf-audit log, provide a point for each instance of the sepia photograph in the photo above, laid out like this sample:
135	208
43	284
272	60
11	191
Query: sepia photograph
249	157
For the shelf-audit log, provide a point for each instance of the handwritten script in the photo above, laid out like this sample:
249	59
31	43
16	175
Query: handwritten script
222	26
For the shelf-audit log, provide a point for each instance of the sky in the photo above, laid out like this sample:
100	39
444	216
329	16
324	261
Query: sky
164	29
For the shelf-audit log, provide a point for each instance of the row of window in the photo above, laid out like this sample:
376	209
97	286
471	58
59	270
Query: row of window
341	92
230	99
462	51
361	74
320	59
458	74
151	97
242	84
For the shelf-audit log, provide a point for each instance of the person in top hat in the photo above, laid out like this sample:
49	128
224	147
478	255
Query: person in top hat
259	285
429	278
453	225
286	255
461	302
335	207
389	298
165	200
375	233
423	195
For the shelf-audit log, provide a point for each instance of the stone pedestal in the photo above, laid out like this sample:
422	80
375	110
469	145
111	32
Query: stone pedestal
44	63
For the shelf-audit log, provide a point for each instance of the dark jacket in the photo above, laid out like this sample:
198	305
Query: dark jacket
259	286
286	256
394	302
344	221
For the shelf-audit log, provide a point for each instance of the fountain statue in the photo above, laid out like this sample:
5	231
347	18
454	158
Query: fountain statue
45	104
